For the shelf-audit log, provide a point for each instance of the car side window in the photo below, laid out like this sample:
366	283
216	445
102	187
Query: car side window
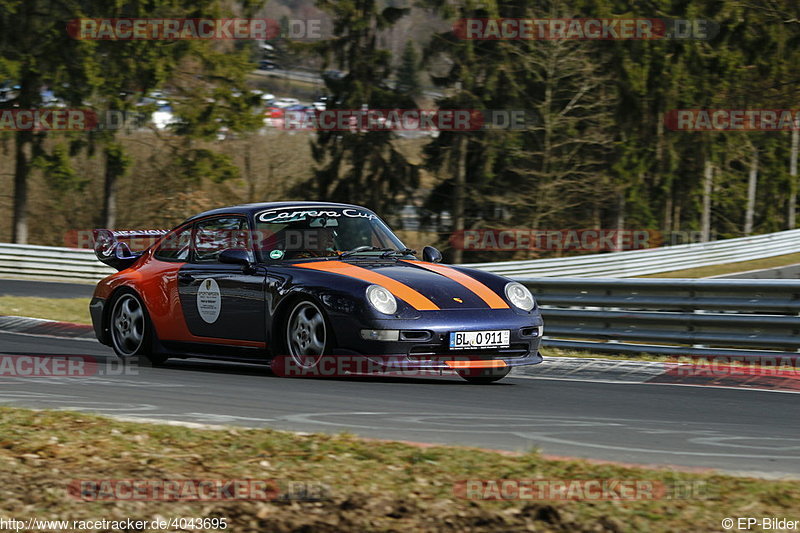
217	234
175	246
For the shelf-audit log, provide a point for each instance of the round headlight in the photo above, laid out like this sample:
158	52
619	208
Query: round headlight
381	299
519	296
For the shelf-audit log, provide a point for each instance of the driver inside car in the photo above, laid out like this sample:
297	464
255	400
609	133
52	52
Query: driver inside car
313	242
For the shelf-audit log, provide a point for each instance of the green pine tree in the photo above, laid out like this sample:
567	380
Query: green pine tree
408	72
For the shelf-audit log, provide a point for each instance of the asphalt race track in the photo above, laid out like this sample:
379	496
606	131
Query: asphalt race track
735	430
743	431
44	289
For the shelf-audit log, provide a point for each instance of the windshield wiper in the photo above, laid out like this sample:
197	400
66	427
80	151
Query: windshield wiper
366	248
404	251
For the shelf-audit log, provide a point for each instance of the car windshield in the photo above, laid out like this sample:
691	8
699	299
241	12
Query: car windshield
309	232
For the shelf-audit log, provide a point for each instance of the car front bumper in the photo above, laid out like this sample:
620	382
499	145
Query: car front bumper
424	342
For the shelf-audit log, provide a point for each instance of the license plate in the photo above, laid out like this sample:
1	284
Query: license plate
460	340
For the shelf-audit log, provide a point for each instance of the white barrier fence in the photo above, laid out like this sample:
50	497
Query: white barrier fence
652	260
71	264
50	262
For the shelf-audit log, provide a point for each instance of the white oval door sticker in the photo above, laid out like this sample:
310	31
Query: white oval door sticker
209	300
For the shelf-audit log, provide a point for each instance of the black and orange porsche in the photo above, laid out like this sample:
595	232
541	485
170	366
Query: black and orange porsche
307	283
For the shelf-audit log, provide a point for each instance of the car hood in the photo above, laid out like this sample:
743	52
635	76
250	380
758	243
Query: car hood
424	286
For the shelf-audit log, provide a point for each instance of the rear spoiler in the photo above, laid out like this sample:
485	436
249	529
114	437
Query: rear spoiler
115	253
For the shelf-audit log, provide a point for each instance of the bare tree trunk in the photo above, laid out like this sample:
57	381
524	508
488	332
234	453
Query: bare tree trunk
26	142
248	172
19	228
661	169
792	215
460	195
620	219
109	197
668	208
660	140
116	166
708	182
597	216
752	181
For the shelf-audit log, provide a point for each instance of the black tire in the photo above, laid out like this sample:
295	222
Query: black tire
484	376
132	333
307	335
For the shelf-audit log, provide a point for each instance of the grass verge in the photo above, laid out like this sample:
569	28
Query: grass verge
372	486
62	309
730	268
555	352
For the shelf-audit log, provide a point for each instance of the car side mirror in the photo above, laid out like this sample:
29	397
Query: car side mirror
431	255
233	256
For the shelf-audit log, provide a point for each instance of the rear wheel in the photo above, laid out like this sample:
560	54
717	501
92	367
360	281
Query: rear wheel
132	333
307	335
482	376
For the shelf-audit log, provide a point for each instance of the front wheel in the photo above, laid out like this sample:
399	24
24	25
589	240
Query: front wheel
483	376
307	334
132	332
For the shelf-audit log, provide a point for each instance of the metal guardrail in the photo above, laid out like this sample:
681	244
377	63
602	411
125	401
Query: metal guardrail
730	318
70	264
51	263
652	260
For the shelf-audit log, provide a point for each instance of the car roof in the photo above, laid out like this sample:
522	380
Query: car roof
250	209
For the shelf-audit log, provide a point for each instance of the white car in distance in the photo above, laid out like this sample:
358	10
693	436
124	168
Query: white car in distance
285	102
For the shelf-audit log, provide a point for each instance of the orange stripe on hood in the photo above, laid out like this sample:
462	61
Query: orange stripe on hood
400	290
485	293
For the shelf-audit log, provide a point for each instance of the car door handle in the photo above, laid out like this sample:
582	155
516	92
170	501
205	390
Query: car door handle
185	276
